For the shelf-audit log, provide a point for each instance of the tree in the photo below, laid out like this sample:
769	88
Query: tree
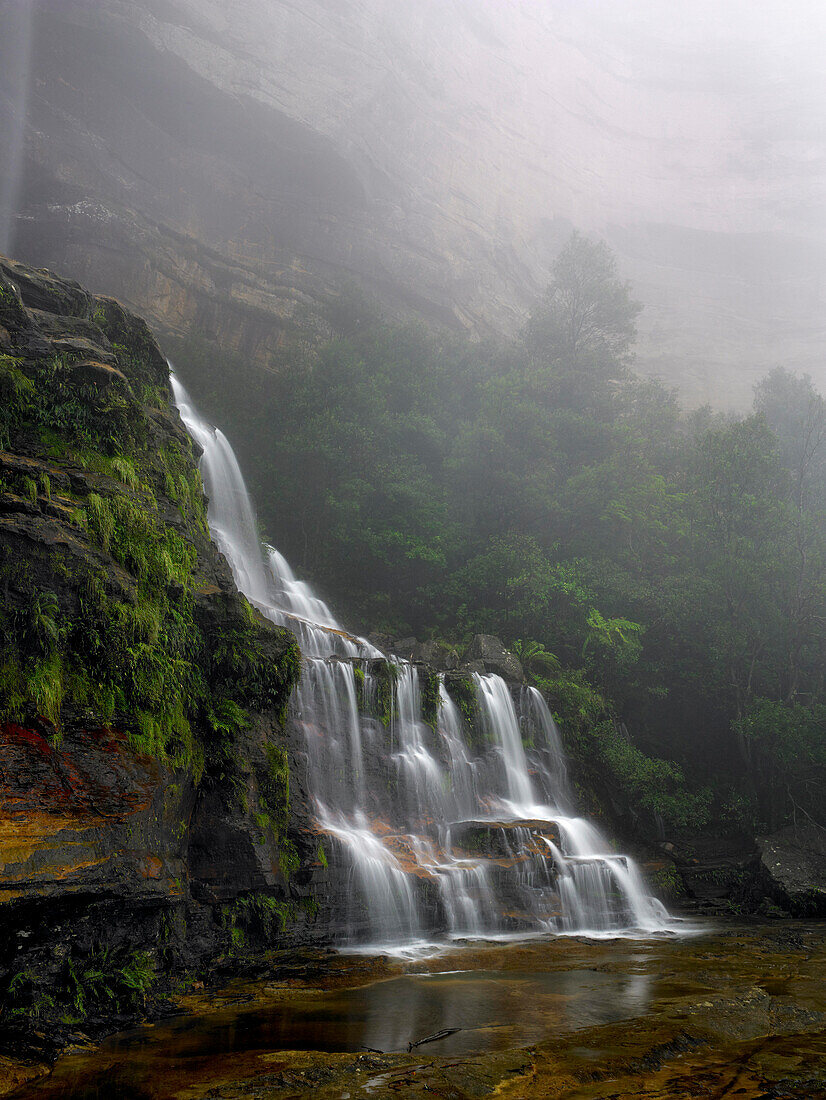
583	328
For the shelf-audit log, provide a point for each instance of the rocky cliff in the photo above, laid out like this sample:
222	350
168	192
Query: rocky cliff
149	820
217	168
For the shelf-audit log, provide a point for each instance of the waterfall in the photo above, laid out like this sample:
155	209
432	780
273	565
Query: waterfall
437	828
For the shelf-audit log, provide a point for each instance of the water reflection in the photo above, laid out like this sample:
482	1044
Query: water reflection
494	1010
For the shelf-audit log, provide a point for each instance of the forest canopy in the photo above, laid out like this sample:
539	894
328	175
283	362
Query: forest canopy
672	562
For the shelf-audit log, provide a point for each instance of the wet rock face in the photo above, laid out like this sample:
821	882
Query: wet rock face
793	869
145	796
88	817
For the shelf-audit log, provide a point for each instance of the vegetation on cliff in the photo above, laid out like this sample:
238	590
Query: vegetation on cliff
142	699
102	520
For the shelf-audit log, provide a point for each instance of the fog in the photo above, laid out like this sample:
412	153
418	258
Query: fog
440	153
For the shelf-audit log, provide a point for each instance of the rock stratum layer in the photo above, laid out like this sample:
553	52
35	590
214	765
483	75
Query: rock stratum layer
216	168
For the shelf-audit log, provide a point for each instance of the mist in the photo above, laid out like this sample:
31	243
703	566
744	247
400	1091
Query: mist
440	154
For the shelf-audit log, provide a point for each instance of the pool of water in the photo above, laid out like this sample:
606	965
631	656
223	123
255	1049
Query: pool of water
579	1002
491	1010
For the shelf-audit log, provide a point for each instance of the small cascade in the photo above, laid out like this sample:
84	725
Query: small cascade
437	828
231	515
462	768
502	726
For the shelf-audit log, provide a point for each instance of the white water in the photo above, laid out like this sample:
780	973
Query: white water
437	834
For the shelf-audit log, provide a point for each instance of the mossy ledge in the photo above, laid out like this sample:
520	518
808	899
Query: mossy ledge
149	801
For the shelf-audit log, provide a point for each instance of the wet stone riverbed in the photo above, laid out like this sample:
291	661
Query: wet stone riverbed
731	1011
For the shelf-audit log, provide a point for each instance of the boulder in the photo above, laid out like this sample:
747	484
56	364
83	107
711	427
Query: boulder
504	839
436	654
793	869
491	654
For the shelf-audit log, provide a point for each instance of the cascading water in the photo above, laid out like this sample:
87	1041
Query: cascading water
446	826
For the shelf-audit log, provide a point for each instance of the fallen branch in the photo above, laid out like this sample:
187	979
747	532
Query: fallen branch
432	1038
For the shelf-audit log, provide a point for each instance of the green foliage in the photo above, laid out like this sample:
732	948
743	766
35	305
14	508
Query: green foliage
100	521
105	981
44	686
649	784
243	667
785	745
103	627
17	396
102	982
13	687
227	719
260	915
124	470
668	883
39	624
533	656
575	702
358	676
385	675
618	636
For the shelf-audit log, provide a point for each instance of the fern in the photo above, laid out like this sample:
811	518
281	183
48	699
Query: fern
45	688
100	520
124	470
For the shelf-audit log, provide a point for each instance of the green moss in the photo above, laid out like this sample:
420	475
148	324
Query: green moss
30	489
274	788
385	675
120	642
321	856
309	906
462	690
358	675
288	858
431	699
